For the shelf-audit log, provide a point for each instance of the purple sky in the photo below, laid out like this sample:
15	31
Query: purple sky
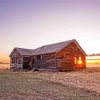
33	23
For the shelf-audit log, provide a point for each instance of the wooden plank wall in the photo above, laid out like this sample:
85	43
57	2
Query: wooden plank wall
65	57
17	64
47	61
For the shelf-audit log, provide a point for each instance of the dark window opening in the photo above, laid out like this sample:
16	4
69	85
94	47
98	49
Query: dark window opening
39	57
27	63
20	61
14	60
26	59
32	61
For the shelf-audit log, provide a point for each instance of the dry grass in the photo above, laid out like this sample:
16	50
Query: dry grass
77	85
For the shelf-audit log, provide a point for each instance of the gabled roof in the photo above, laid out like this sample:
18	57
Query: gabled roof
23	51
51	48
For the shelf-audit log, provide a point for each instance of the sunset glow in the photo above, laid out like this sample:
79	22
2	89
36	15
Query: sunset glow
4	58
93	60
33	23
79	62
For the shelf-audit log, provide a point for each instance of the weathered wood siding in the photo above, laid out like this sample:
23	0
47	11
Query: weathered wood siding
18	63
50	60
66	58
47	61
62	60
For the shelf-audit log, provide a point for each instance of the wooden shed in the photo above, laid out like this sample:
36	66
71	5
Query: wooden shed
67	55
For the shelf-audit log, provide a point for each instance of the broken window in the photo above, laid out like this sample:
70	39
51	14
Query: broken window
39	57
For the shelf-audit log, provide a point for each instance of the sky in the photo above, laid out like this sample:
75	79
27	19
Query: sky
33	23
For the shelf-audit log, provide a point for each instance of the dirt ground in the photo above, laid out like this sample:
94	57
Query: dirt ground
44	85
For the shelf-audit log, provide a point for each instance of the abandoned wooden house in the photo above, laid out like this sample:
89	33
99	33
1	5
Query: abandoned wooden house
66	55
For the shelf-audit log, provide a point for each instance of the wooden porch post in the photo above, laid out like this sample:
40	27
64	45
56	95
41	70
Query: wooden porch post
22	62
32	58
10	62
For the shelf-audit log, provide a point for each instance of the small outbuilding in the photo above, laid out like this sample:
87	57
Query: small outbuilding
67	55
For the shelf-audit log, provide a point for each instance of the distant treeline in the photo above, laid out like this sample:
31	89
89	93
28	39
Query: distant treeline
3	63
98	54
